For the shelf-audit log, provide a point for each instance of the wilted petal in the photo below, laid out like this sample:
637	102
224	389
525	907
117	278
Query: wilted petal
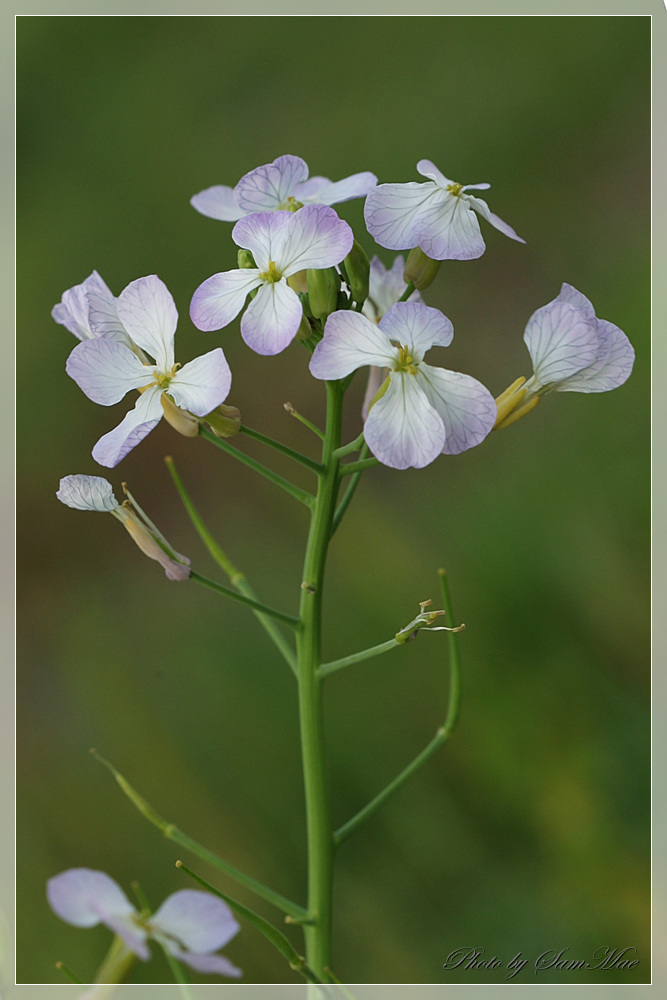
133	428
207	964
561	341
72	310
87	493
448	229
267	187
202	384
467	409
480	206
147	311
403	430
106	370
200	921
272	319
392	211
619	358
177	568
417	326
332	193
350	341
316	238
220	298
218	202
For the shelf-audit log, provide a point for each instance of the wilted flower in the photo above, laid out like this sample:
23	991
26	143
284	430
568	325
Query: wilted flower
272	187
106	370
423	411
190	924
282	243
95	493
436	215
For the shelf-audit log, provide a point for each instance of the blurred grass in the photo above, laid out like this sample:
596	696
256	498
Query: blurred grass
531	830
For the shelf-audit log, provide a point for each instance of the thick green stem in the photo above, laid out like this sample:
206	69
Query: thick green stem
318	821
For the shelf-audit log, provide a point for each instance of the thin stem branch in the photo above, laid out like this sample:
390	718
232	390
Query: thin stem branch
282	448
349	492
242	599
365	654
301	495
306	423
352	446
407	293
354	467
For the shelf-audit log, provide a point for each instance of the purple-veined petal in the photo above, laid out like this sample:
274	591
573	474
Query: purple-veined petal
350	341
403	430
265	235
220	298
72	310
266	188
272	319
568	293
417	326
376	377
333	193
427	168
218	202
467	409
386	286
216	965
561	341
104	319
448	229
147	311
315	238
202	384
307	191
106	370
480	206
619	358
392	211
200	921
87	493
133	428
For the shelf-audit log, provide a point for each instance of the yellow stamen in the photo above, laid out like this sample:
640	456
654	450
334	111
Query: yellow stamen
521	411
404	361
272	274
455	188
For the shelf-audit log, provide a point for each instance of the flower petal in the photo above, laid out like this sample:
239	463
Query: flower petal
133	428
350	341
72	310
202	384
218	202
220	298
376	377
267	187
272	319
200	921
467	408
392	211
386	285
448	229
315	238
480	206
103	317
618	361
105	370
147	311
332	193
207	964
403	430
560	340
427	168
417	326
87	493
265	235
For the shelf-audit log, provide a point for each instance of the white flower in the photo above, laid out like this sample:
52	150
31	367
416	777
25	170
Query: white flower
275	186
190	925
437	215
424	411
95	493
106	370
89	311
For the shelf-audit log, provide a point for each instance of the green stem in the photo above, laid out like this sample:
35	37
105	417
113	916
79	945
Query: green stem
349	492
365	654
283	448
236	578
301	495
407	293
440	738
242	599
318	822
306	423
352	446
353	467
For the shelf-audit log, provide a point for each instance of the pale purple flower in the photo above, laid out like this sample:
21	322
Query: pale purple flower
89	311
106	370
96	493
190	925
436	215
424	411
282	184
281	243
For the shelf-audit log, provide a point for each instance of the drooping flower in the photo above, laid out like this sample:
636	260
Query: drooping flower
571	350
190	925
106	370
282	184
424	411
89	311
96	493
282	243
436	215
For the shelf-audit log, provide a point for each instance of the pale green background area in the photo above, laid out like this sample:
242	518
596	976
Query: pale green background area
530	831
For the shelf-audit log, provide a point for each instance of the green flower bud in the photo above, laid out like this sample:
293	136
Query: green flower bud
305	329
420	270
323	288
357	269
245	259
224	421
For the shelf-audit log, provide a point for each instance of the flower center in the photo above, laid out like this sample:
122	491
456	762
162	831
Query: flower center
455	189
404	361
273	274
290	204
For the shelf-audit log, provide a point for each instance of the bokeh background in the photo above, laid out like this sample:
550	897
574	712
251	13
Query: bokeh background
530	831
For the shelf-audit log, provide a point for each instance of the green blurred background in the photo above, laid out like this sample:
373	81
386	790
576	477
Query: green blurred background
530	831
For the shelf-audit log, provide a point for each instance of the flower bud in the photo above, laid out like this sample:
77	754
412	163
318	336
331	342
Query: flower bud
305	329
323	288
420	270
245	259
357	269
224	421
182	421
298	282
